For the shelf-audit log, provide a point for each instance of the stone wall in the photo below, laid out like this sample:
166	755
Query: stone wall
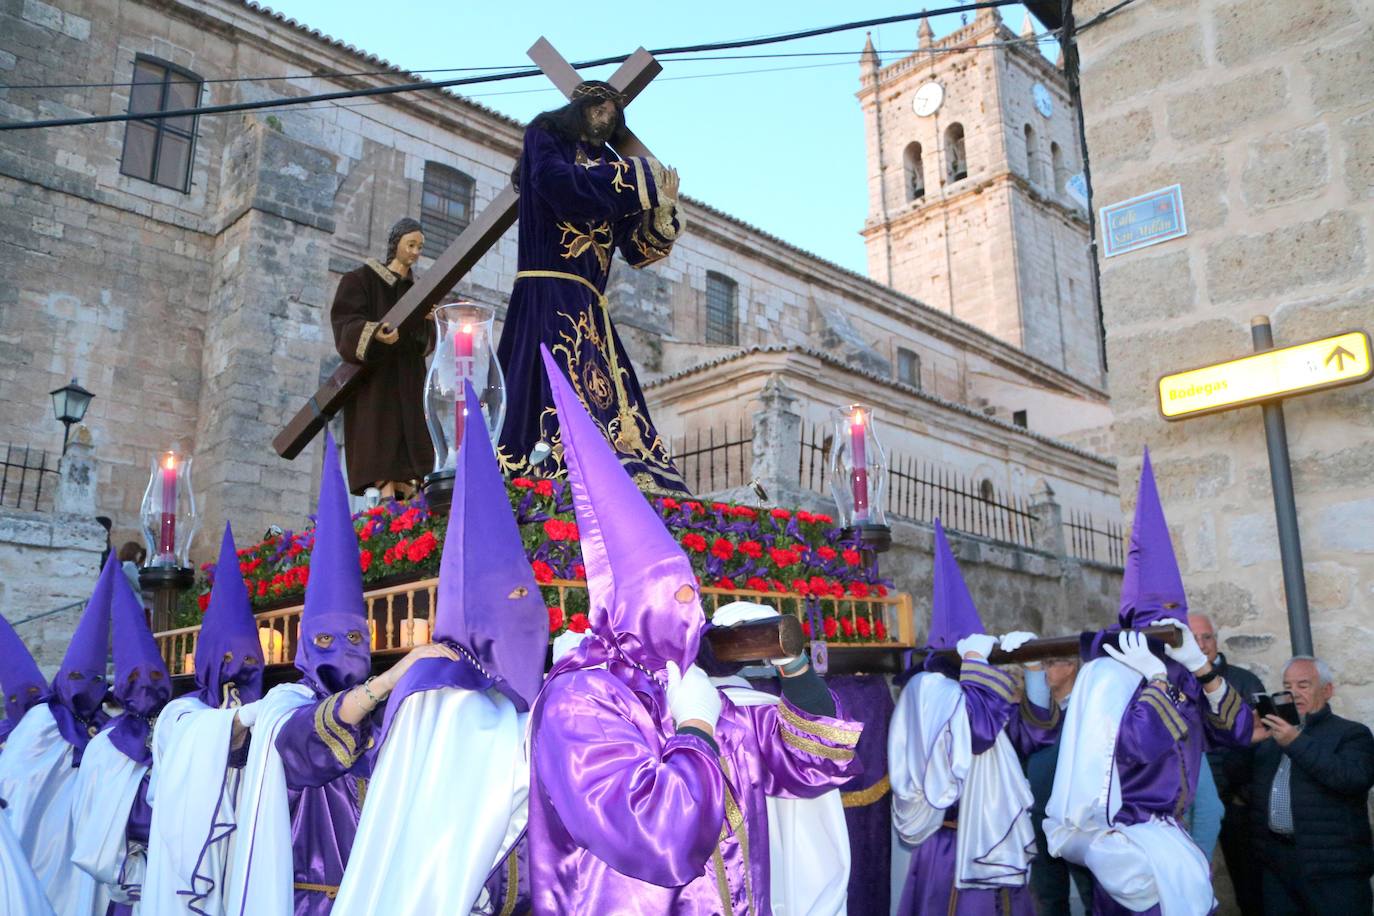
1264	111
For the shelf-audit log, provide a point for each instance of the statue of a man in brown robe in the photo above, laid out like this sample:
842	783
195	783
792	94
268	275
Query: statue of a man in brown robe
386	442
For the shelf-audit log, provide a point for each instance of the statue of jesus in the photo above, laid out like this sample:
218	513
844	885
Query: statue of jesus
580	202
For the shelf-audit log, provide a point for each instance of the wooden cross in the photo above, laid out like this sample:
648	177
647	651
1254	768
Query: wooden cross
464	252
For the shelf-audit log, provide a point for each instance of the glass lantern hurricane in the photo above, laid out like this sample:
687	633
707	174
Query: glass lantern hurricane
858	468
168	515
464	350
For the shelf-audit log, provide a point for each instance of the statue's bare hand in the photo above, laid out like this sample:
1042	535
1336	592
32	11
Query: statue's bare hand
387	334
670	183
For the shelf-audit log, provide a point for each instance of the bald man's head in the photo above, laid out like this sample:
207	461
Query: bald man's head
1205	634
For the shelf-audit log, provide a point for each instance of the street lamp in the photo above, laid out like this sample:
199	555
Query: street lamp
69	405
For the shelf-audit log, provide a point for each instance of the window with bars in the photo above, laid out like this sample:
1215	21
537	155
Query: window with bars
722	298
908	367
445	206
160	150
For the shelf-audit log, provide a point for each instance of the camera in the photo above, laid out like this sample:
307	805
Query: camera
1280	703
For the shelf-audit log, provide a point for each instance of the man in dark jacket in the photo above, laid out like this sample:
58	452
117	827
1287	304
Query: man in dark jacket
1310	813
1231	768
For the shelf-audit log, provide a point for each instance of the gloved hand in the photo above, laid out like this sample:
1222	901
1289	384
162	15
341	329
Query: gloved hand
736	612
691	695
980	644
247	714
1188	654
1015	640
1135	653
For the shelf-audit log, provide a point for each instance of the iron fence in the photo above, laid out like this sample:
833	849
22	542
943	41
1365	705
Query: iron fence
1099	542
28	478
716	460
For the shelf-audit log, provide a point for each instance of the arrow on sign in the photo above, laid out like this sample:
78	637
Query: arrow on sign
1340	355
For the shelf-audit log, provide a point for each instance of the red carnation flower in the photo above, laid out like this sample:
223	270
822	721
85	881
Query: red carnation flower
806	628
822	519
544	487
744	512
364	559
203	601
262	589
556	530
781	514
819	586
858	589
865	628
880	628
826	553
723	508
800	587
804	516
837	589
543	572
694	506
880	591
579	571
777	585
578	623
725	582
555	619
722	548
757	584
521	483
831	628
669	503
751	549
851	557
694	542
422	547
848	626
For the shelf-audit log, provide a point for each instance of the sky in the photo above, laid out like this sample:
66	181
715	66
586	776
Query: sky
775	141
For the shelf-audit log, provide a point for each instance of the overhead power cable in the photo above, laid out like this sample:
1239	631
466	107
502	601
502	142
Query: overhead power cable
492	78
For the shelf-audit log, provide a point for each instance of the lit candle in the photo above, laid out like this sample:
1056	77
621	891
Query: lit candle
462	352
858	476
167	532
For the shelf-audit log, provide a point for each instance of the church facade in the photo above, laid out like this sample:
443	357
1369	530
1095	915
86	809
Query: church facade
183	270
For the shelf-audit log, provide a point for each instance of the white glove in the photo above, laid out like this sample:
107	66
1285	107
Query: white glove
1015	640
1188	654
247	714
727	615
691	695
977	643
1135	653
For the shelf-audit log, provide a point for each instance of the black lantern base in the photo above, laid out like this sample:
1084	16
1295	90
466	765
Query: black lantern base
170	578
877	538
438	490
166	583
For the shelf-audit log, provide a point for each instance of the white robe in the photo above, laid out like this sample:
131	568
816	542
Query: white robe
192	792
808	840
1139	865
446	803
261	879
106	785
38	782
931	766
20	891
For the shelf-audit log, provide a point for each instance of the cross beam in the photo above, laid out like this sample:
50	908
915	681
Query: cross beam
464	252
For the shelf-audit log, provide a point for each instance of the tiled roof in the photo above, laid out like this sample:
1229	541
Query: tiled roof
873	376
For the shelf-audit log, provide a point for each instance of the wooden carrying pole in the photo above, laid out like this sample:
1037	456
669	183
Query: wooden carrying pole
463	253
757	640
1039	650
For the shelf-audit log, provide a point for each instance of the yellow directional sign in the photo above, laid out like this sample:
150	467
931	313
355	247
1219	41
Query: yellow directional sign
1312	366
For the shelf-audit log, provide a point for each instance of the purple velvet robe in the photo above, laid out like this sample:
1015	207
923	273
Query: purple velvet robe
579	203
868	798
327	764
990	701
1160	748
627	817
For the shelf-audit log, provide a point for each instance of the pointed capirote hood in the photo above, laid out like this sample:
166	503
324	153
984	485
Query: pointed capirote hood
1152	585
488	601
228	653
20	678
80	683
645	603
334	603
953	615
141	685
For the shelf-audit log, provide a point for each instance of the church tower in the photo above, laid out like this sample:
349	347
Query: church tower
972	158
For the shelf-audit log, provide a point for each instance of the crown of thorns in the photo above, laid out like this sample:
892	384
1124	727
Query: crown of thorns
599	91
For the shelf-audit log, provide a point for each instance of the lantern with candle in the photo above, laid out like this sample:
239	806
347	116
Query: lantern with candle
169	521
858	477
465	351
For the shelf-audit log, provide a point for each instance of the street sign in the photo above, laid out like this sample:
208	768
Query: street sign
1143	221
1331	362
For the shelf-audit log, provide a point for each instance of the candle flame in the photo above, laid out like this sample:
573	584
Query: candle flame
170	462
467	329
858	418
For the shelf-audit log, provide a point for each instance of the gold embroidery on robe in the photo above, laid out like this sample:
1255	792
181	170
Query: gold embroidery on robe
596	239
865	797
339	741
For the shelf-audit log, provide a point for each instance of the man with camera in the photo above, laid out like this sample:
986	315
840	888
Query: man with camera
1311	785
